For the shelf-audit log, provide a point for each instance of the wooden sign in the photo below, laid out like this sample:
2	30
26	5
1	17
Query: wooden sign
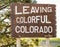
33	20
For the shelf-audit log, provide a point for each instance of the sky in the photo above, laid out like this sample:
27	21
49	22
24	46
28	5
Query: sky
57	3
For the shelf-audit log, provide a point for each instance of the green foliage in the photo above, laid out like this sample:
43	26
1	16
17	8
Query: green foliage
6	3
58	46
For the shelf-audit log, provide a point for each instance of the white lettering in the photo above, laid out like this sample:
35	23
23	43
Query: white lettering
25	9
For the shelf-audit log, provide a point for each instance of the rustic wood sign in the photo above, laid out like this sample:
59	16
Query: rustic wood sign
33	20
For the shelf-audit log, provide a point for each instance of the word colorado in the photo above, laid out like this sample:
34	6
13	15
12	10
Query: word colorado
33	29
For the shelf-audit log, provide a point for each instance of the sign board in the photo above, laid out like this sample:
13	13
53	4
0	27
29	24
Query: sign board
33	20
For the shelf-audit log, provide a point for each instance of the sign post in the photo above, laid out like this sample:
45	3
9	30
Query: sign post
33	20
18	42
47	42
